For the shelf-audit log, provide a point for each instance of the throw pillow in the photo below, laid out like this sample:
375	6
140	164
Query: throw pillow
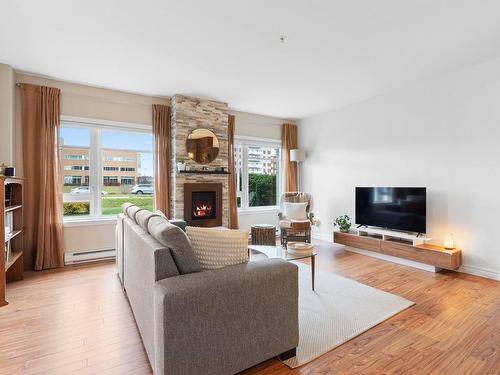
296	211
218	247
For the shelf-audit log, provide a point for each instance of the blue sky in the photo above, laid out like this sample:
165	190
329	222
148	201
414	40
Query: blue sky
114	139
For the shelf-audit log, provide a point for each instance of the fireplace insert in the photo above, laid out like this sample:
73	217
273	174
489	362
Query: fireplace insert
203	204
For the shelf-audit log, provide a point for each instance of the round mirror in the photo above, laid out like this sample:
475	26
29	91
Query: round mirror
202	146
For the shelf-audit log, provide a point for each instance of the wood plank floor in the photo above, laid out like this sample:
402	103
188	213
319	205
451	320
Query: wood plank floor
77	321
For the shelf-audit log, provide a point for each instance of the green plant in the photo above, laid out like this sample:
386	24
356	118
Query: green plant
343	222
76	208
261	190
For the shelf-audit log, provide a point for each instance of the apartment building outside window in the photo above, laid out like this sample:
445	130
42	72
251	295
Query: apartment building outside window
101	165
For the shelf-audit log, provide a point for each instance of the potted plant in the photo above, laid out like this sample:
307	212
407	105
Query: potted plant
343	222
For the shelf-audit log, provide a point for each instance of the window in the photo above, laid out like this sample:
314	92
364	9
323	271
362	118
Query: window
257	168
75	157
119	158
127	180
96	186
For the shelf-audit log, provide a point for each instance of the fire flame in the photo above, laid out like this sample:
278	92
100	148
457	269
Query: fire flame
202	210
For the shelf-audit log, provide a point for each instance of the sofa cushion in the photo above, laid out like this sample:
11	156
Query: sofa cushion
125	207
177	222
174	238
142	218
132	211
218	247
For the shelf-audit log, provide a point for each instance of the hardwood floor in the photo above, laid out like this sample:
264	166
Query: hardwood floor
77	321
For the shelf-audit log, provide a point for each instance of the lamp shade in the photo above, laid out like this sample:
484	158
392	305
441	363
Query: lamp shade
297	155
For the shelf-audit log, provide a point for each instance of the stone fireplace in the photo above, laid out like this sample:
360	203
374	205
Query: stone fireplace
203	204
188	114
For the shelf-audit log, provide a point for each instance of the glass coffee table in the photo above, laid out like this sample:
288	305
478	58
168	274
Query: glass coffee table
281	253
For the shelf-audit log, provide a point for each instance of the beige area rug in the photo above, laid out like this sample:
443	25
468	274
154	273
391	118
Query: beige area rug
339	310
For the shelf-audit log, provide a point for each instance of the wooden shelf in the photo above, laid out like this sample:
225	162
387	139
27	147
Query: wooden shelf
11	202
13	208
13	234
14	256
432	255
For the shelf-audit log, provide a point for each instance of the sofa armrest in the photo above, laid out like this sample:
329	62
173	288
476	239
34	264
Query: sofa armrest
226	320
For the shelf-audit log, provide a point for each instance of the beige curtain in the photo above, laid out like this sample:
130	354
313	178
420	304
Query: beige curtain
40	111
161	134
289	142
233	206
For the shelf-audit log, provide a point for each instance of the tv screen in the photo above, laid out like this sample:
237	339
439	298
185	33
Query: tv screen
399	208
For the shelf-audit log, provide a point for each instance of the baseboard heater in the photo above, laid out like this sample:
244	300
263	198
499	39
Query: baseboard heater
89	256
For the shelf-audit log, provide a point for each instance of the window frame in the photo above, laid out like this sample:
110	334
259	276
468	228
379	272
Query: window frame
247	142
95	127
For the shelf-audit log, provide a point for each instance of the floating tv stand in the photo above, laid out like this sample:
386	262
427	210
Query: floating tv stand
416	239
399	247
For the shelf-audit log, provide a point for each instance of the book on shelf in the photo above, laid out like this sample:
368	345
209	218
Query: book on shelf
9	223
7	251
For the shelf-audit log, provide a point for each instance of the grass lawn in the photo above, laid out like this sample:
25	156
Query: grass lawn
113	206
110	205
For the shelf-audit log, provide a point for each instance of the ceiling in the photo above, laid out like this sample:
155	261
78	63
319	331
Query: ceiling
335	52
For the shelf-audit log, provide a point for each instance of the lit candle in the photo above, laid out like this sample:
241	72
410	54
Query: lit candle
449	241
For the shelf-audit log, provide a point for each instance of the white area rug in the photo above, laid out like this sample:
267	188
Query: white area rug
338	310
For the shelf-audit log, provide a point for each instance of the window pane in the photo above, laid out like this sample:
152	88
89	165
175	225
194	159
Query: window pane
75	151
238	165
127	170
263	165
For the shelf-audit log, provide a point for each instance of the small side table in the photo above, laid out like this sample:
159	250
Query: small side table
299	231
264	234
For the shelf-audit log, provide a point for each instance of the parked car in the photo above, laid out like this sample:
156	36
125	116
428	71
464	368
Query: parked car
142	189
84	190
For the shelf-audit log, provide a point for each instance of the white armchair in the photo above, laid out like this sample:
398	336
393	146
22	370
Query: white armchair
295	228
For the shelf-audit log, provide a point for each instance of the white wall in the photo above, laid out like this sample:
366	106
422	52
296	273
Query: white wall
443	134
252	125
7	100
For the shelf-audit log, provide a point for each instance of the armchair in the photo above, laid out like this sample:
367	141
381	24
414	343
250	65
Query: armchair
295	230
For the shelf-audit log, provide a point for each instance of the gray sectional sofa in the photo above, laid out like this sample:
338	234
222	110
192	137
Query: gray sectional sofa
202	322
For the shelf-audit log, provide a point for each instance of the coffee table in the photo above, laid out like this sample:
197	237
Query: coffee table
281	253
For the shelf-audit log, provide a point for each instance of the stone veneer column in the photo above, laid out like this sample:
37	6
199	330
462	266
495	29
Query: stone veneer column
189	113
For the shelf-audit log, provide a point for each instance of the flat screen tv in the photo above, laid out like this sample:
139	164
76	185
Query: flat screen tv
399	208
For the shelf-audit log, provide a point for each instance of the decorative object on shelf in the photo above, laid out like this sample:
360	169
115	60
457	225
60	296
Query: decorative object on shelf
449	241
297	156
343	222
202	146
2	169
181	165
10	171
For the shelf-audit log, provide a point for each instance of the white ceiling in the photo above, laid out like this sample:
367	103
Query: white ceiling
335	53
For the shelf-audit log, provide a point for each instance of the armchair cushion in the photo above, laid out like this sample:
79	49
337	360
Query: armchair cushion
295	211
